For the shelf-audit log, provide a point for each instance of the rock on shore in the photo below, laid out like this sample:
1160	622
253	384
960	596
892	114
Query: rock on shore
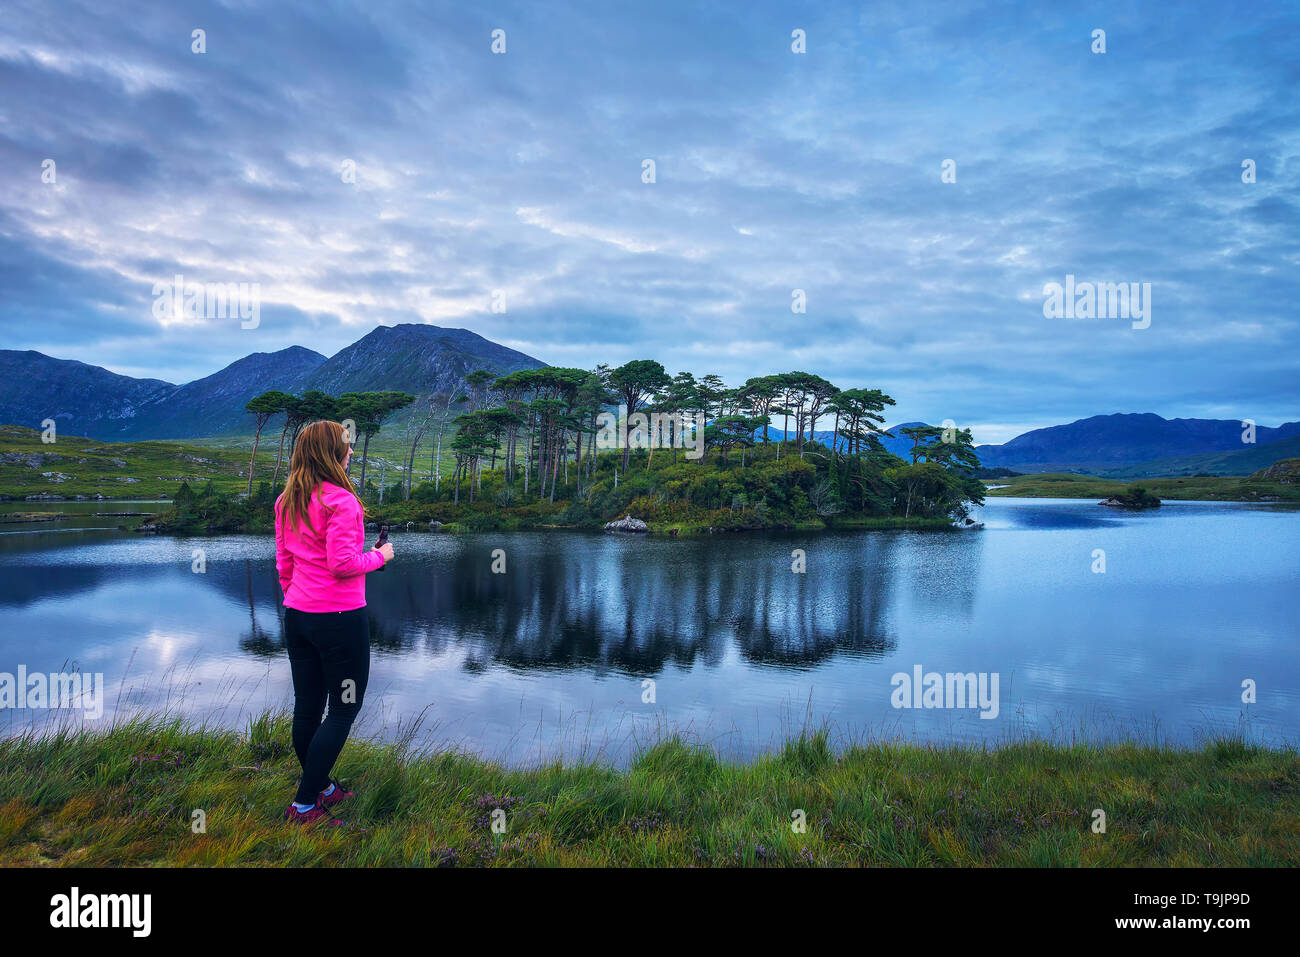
627	524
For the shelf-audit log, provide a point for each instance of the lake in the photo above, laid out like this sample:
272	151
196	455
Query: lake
591	645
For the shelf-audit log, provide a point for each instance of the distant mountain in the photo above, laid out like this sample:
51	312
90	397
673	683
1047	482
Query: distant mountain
900	444
89	400
1114	441
81	398
895	442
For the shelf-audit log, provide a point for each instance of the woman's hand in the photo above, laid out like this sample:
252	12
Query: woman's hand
386	550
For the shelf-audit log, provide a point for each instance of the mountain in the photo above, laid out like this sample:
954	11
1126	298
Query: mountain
81	398
214	404
414	358
1122	446
895	442
89	400
1115	441
900	444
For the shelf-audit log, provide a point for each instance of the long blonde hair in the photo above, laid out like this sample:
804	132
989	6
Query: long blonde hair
318	456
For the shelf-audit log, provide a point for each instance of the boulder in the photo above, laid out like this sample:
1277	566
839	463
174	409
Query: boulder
627	524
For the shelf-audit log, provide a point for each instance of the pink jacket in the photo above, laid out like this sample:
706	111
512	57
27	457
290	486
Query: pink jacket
323	568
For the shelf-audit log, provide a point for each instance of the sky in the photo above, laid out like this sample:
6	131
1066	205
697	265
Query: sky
506	193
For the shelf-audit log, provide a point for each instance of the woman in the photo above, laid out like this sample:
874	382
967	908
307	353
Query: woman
321	557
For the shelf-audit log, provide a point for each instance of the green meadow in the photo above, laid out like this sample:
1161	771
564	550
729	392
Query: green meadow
1200	488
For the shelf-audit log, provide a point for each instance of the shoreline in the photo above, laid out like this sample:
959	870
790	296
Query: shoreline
496	524
664	532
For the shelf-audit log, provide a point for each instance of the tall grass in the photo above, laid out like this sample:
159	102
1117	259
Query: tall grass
128	796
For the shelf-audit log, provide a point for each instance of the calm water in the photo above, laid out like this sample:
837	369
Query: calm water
550	658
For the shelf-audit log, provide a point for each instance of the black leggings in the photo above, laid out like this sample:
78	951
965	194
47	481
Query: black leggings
329	656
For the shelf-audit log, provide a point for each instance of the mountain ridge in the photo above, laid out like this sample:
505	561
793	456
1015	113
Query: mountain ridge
1123	439
89	400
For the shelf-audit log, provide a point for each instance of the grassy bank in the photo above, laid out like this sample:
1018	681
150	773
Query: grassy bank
1205	488
127	796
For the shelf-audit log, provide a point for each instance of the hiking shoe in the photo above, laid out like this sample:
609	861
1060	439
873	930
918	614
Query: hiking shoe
339	795
311	816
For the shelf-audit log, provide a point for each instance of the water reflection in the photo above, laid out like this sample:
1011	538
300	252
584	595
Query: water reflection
575	601
258	640
735	640
572	602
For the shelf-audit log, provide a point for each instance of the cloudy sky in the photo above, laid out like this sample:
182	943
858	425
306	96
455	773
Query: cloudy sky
522	172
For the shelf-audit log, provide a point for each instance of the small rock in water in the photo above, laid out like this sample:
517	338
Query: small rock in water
627	524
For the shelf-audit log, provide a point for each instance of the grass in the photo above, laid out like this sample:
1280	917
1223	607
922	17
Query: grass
1220	488
151	469
127	796
87	467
